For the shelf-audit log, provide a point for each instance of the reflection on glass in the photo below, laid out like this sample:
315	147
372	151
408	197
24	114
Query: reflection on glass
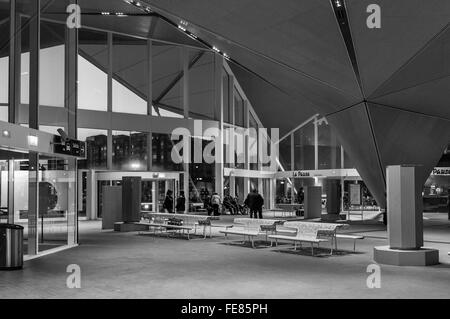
96	148
162	145
129	150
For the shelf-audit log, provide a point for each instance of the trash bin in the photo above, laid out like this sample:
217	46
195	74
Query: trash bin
11	247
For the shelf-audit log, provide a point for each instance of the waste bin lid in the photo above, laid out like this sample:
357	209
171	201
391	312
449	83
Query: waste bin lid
10	226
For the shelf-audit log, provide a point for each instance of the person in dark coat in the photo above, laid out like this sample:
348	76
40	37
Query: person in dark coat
255	203
168	202
181	203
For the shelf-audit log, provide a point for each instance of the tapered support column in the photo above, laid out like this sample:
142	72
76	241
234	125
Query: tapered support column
405	221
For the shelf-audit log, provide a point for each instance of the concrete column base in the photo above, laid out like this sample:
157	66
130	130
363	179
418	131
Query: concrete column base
128	227
420	257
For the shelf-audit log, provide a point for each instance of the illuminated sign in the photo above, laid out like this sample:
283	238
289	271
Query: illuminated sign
443	171
301	174
32	140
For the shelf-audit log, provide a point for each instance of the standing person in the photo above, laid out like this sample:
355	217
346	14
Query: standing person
168	202
255	203
181	203
215	201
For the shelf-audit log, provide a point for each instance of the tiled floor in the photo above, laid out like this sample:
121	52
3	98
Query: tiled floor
128	265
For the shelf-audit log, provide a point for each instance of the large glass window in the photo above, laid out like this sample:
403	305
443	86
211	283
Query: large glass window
328	147
253	143
51	73
167	79
22	112
162	145
239	109
201	85
130	75
96	148
304	153
227	114
284	149
4	60
129	150
201	176
92	70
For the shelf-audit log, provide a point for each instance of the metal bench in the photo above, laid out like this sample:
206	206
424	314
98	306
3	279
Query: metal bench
250	228
161	224
348	236
313	233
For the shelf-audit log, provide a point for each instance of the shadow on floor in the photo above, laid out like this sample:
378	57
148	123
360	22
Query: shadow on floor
318	252
259	244
175	236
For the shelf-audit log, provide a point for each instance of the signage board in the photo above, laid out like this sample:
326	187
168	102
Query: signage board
355	194
69	147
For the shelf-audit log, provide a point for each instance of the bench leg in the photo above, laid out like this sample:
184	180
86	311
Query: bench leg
354	245
253	243
312	249
331	252
195	229
295	245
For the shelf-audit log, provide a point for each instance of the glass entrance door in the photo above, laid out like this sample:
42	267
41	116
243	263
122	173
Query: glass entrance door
56	205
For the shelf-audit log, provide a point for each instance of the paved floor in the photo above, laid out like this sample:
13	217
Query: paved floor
128	265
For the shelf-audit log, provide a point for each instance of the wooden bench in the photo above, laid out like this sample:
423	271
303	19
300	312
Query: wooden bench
313	233
249	227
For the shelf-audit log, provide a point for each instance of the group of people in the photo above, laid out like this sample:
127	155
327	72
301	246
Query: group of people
180	206
254	202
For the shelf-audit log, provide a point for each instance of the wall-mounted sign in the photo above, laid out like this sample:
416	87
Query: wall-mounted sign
442	171
355	194
301	174
69	147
